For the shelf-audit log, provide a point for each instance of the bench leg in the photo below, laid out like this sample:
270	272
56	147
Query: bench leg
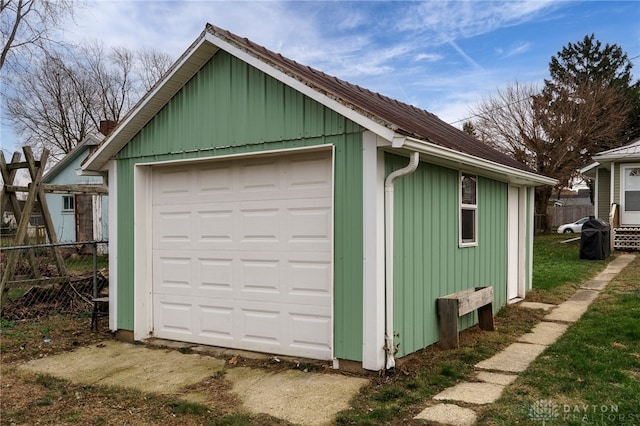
485	317
448	313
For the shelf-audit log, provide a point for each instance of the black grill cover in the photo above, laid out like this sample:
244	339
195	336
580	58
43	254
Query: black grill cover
594	240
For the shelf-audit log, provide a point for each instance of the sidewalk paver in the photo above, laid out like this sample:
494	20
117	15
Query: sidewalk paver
471	392
448	414
514	359
536	305
595	284
496	378
571	310
544	333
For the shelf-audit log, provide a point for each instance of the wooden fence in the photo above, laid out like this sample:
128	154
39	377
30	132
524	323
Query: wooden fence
559	215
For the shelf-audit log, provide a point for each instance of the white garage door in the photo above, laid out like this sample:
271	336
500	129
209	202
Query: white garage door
242	253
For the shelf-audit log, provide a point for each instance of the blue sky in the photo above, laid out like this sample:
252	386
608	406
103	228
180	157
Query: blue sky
442	56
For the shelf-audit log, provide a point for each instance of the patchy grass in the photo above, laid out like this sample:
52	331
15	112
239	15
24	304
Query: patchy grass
591	375
24	340
397	398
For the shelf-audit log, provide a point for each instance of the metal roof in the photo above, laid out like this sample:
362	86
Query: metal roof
382	115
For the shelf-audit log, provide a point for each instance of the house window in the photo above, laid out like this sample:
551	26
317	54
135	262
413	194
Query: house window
67	203
468	210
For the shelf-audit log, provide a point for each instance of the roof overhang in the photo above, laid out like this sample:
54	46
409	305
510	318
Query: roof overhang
457	160
90	140
590	170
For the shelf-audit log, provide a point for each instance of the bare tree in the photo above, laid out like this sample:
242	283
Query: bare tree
28	24
152	65
66	94
47	111
554	134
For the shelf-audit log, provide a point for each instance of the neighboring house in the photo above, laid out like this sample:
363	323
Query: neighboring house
616	177
77	217
248	203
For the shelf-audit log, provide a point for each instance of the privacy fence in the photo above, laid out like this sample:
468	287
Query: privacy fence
559	215
42	279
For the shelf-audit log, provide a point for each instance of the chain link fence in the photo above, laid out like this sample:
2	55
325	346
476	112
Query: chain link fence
63	278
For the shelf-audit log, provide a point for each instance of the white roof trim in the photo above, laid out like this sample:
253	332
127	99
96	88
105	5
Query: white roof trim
589	167
466	161
91	139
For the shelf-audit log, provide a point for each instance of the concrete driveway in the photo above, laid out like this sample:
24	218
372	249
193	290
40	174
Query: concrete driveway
291	395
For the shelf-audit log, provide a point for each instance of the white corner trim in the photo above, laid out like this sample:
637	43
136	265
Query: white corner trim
142	258
113	244
373	355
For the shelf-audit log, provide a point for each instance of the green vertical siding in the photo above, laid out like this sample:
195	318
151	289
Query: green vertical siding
427	260
230	107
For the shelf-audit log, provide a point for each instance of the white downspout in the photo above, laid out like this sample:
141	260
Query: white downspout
388	229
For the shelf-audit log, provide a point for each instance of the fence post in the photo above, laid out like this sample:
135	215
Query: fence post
95	269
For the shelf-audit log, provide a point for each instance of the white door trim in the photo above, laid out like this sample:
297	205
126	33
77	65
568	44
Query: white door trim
516	239
627	219
143	220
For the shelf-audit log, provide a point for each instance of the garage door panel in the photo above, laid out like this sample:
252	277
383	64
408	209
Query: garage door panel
308	331
310	278
260	275
217	322
214	180
175	317
173	227
261	324
174	272
309	224
214	226
260	224
215	274
309	173
242	254
172	183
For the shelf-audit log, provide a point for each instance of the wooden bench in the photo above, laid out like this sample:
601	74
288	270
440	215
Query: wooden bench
455	305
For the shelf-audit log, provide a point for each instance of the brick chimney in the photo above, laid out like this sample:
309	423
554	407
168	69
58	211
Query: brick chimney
107	126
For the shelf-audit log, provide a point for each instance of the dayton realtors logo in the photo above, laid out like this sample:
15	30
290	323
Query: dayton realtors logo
545	410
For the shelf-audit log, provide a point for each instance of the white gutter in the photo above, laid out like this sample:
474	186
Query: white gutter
388	226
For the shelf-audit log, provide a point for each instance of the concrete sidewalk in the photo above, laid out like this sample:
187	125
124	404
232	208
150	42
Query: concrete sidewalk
499	371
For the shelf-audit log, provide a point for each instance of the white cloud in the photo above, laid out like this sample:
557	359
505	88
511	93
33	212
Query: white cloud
429	57
450	20
517	49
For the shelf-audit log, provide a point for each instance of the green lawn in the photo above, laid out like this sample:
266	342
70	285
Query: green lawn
558	269
591	375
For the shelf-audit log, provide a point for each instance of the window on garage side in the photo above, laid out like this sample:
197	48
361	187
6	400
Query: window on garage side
468	210
68	204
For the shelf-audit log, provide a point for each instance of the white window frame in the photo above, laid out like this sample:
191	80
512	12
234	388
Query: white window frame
467	207
64	202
